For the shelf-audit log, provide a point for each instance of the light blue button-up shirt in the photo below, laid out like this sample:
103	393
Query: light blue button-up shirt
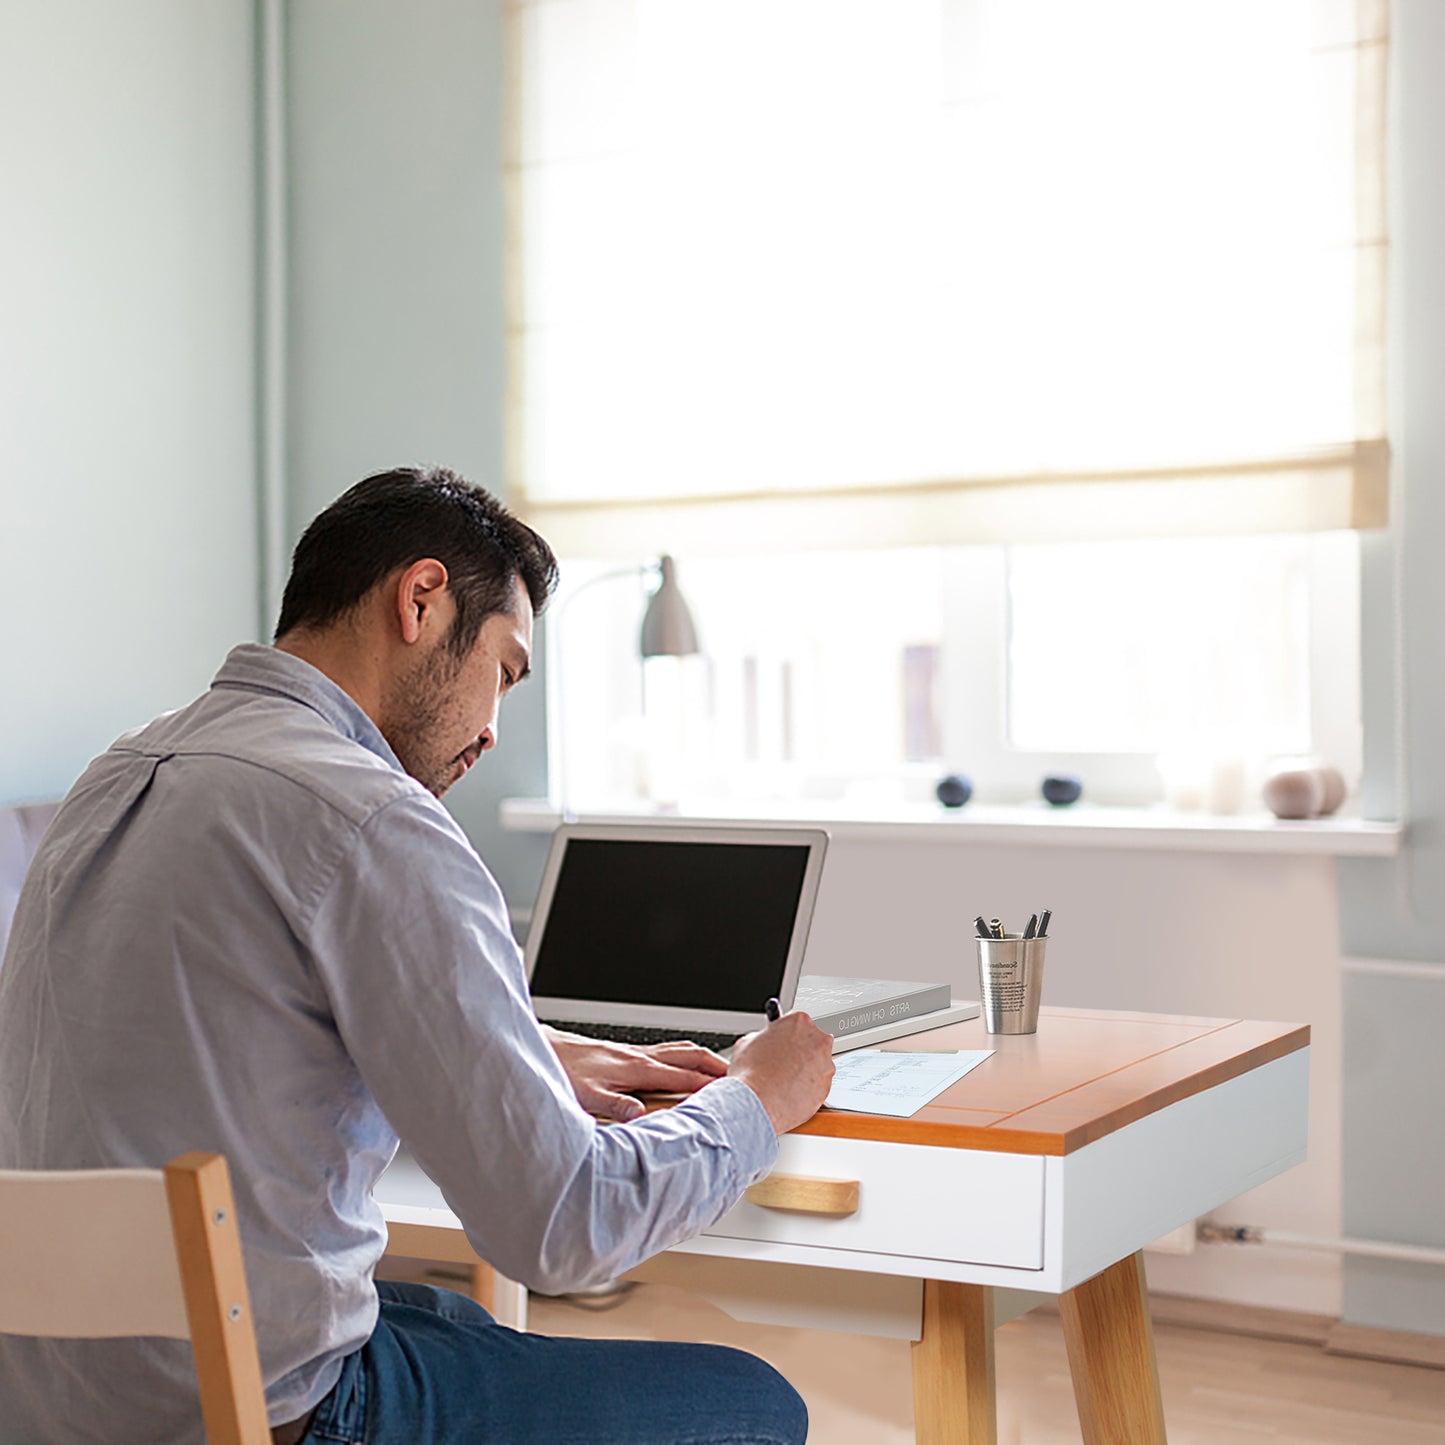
249	931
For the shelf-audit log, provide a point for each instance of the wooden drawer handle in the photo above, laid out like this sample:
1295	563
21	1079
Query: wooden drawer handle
805	1195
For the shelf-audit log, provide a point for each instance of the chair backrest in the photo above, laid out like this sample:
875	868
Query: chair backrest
107	1252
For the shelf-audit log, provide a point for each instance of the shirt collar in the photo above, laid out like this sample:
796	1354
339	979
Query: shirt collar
254	667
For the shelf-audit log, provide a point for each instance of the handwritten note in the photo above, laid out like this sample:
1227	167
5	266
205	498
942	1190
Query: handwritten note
885	1081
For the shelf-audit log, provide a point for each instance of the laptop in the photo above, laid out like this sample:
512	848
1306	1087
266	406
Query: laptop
645	933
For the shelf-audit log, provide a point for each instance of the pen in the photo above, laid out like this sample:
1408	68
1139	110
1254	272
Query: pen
773	1010
1044	922
983	930
1031	928
996	926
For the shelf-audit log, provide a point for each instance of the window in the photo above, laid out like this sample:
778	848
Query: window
1143	667
1012	289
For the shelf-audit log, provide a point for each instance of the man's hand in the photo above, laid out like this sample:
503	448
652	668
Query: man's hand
605	1076
789	1066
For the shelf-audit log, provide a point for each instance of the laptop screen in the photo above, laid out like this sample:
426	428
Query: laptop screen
672	925
697	925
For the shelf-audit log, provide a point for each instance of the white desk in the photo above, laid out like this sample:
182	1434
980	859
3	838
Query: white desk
1047	1169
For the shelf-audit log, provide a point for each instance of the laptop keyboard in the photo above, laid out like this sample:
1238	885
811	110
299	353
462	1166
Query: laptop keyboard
638	1034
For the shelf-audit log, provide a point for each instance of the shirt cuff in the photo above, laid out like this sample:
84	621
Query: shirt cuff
743	1122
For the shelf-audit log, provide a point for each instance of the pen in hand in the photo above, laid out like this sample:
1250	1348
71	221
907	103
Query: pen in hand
773	1009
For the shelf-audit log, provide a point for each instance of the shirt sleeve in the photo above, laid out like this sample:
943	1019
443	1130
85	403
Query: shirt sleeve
426	984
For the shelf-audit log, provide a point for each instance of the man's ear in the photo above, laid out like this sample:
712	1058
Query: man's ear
422	601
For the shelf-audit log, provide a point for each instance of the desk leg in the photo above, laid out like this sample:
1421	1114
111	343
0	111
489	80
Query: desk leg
953	1395
1111	1357
483	1286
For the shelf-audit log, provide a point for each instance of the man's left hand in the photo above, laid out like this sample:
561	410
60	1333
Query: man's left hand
606	1076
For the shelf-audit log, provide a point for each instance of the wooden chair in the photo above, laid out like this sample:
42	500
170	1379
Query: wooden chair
100	1253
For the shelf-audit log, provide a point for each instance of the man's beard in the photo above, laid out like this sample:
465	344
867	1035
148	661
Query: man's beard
412	717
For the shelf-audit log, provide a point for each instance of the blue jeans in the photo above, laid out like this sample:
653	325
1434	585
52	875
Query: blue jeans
438	1370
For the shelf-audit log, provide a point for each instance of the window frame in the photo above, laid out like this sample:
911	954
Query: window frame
973	701
975	706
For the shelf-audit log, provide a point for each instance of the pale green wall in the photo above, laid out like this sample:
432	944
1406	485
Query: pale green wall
395	229
1394	909
127	527
395	352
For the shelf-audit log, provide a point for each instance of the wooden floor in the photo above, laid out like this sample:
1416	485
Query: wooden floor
1219	1389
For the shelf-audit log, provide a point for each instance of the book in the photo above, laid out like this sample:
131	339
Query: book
955	1013
842	1006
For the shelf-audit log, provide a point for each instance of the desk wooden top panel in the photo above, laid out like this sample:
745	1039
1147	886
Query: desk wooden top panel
1084	1074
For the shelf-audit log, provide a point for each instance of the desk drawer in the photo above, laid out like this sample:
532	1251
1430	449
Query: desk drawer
913	1201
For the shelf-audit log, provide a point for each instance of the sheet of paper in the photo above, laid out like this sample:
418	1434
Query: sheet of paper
887	1081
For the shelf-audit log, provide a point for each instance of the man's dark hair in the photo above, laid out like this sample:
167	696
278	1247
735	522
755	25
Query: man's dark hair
396	518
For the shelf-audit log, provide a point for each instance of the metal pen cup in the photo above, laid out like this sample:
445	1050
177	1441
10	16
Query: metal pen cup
1010	980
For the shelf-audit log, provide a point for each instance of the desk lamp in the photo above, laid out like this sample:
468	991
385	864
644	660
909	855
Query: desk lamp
667	631
667	626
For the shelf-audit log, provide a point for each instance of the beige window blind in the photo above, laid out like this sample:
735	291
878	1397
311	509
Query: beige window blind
790	273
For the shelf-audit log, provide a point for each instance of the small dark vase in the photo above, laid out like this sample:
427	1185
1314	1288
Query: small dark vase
954	791
1061	790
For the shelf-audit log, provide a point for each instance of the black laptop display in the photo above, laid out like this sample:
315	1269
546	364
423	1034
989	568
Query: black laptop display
671	931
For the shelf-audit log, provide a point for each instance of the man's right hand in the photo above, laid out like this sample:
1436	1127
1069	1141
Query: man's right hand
789	1066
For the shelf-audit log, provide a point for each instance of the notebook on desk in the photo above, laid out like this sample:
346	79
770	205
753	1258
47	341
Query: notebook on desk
643	933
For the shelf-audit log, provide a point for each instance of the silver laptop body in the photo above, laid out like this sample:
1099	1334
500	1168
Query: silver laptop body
674	927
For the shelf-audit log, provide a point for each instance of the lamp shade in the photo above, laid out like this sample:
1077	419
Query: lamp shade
667	625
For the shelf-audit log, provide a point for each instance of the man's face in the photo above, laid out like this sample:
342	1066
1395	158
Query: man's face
441	715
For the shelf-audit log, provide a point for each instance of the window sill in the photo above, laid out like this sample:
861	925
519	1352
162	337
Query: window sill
1081	826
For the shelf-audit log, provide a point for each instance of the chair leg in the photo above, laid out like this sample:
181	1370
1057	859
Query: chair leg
953	1378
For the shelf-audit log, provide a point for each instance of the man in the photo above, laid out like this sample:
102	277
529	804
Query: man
252	928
